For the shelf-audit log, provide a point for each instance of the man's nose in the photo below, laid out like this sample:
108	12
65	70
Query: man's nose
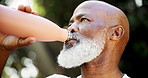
73	28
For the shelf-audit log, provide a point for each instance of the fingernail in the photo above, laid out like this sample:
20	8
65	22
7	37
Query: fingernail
33	40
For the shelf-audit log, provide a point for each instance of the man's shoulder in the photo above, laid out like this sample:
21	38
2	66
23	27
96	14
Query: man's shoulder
57	76
62	76
125	76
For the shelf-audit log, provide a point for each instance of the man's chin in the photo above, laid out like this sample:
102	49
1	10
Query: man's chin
84	52
66	58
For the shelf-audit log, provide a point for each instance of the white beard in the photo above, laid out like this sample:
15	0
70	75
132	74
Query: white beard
83	52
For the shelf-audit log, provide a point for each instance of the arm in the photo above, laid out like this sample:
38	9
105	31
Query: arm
9	43
27	25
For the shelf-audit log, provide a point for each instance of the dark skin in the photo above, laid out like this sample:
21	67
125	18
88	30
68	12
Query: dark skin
90	17
9	43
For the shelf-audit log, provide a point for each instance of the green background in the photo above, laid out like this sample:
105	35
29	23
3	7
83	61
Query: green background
43	55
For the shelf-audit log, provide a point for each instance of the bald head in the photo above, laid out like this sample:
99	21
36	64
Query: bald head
109	13
105	14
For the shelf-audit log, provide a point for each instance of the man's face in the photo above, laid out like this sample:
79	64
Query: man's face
89	38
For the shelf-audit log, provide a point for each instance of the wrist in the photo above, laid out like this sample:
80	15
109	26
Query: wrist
4	50
4	54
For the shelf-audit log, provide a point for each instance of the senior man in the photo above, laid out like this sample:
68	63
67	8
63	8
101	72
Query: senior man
101	33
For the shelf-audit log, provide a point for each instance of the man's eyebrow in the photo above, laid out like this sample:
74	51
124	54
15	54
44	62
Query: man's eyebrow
77	16
80	15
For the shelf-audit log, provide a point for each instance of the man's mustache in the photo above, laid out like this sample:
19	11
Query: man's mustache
74	37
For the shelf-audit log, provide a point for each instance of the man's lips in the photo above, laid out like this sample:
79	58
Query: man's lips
70	43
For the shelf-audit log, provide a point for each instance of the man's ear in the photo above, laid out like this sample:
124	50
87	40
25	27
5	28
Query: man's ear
116	32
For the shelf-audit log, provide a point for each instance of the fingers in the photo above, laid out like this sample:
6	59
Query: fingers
21	7
10	43
28	9
26	41
25	8
2	37
35	13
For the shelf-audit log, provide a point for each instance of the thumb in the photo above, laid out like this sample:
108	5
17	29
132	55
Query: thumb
26	41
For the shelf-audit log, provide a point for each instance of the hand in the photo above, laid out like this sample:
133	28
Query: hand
27	9
9	42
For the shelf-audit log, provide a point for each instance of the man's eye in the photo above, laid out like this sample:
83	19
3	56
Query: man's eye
84	20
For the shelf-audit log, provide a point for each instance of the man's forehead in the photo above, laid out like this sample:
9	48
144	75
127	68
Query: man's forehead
88	8
82	11
84	8
94	6
81	14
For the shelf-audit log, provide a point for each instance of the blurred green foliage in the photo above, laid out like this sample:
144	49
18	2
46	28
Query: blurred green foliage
134	60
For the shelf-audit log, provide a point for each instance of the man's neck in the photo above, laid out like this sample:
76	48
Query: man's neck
101	67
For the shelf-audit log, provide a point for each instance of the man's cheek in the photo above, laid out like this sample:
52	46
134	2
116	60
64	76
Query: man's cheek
88	33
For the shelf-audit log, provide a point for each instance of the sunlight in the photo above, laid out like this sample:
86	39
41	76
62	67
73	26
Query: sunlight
138	3
15	3
29	71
